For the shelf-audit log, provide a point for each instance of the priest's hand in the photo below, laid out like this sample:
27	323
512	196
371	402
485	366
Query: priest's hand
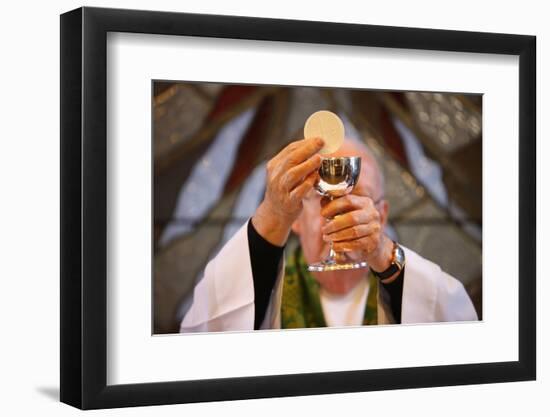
356	229
290	176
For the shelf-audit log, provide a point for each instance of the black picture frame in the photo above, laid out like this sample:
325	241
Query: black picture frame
84	207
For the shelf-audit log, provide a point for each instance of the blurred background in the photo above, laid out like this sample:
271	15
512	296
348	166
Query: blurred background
211	143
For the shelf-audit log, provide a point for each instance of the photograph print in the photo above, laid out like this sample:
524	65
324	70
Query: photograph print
290	207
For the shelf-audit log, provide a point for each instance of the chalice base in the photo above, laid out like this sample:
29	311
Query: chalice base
330	265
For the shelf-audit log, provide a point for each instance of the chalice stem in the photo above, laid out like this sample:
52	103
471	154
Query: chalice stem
331	259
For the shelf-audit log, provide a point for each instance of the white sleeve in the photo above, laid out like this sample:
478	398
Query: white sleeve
453	302
432	295
223	300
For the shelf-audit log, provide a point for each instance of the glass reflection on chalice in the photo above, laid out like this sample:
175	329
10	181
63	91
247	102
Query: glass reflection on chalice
337	177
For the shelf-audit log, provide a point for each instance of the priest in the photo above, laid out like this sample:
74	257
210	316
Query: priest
253	283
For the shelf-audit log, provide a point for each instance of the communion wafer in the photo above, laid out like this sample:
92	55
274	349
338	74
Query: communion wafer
328	126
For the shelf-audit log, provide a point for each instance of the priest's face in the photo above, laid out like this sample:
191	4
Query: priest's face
309	223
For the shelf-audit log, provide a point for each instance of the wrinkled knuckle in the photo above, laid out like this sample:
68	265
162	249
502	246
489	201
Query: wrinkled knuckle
346	201
274	178
370	204
284	180
272	164
285	189
292	160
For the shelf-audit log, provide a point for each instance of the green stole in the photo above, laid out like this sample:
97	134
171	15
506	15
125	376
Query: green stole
301	303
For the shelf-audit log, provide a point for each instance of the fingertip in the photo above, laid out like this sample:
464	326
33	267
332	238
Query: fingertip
313	176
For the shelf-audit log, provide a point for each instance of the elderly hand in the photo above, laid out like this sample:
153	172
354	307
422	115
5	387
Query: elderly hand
356	229
290	176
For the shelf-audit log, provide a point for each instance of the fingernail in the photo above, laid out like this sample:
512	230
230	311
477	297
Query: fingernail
320	142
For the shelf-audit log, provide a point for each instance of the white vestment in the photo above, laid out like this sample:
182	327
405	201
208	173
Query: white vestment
223	300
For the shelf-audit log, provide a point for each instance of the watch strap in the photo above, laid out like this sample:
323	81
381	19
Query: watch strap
388	272
394	266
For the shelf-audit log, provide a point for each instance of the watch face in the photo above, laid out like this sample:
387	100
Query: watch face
399	256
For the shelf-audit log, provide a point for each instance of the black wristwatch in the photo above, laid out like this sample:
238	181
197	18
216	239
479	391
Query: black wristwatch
397	263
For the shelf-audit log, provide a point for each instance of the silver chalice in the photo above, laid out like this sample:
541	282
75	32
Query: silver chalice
337	177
